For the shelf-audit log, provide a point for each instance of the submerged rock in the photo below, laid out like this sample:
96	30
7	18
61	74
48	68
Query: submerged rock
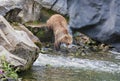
18	43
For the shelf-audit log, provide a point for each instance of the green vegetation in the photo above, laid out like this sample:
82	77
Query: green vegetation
15	23
8	71
33	22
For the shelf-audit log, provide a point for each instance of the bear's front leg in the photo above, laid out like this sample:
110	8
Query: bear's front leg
57	46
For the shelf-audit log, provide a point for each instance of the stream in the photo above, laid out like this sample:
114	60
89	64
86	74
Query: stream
66	68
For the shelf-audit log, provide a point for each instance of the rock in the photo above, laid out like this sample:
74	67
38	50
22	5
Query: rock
11	58
30	11
29	33
46	3
98	19
12	15
7	5
18	43
59	6
78	12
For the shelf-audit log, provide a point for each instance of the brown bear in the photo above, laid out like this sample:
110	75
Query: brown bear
59	26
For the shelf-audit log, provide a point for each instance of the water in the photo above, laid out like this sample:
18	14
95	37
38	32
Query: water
59	68
62	74
86	64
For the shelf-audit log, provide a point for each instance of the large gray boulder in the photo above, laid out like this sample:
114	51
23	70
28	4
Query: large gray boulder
99	19
7	5
16	46
29	10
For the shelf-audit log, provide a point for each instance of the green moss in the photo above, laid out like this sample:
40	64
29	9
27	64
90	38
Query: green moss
48	11
40	34
45	14
15	23
38	44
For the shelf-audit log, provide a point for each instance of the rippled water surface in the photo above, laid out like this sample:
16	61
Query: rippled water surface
60	68
62	74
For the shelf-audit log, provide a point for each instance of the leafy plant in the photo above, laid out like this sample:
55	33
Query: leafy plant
9	71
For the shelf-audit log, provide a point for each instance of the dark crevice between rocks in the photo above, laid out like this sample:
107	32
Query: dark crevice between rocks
12	15
53	4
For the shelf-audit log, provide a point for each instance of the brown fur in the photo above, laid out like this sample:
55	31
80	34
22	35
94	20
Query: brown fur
59	26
